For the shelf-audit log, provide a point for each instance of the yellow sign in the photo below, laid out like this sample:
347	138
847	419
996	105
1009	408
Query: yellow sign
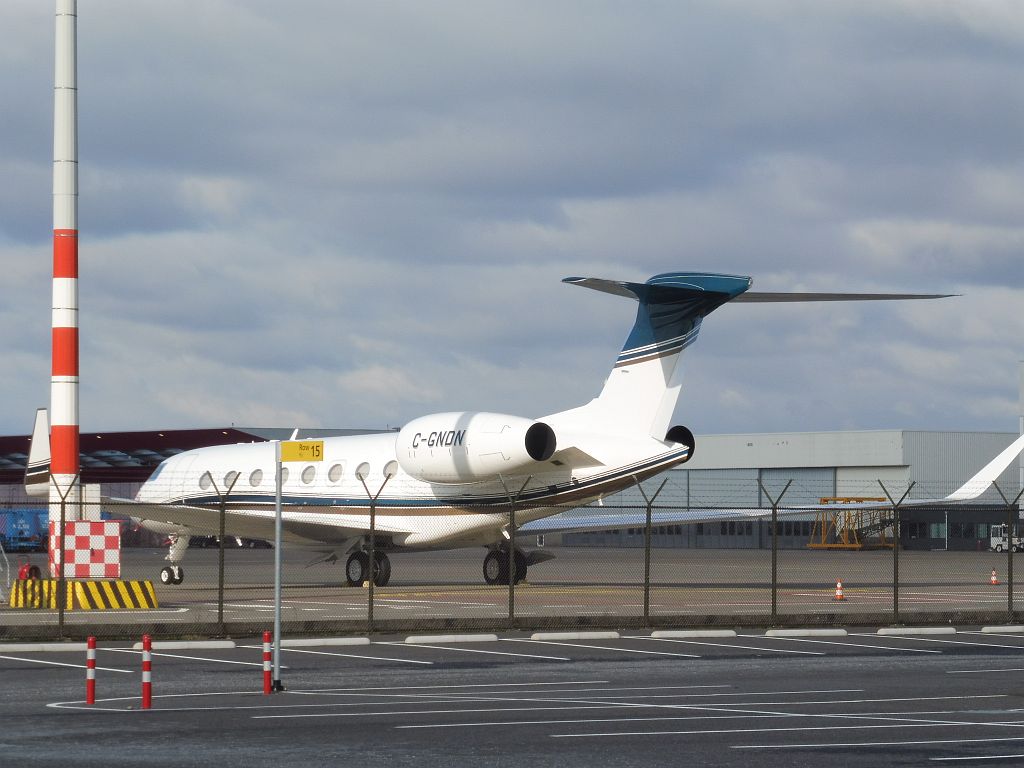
302	450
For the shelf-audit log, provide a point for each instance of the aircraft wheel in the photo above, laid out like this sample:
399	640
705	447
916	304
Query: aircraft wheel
382	569
356	568
179	574
166	575
496	567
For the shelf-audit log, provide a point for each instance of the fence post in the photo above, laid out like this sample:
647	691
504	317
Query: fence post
222	499
362	472
896	547
775	545
1011	533
512	499
647	546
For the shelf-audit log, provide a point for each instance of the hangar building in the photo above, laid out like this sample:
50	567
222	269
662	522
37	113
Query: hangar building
746	470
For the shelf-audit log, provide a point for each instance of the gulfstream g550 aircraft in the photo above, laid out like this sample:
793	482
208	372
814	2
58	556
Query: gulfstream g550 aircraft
449	478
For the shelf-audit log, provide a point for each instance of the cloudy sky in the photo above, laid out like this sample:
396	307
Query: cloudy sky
348	214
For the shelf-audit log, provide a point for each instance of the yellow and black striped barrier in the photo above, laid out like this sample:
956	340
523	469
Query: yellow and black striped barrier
84	594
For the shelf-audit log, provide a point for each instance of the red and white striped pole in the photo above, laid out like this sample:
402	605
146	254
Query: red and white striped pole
64	466
267	667
147	672
90	671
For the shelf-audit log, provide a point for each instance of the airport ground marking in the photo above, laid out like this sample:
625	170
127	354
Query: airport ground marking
600	647
478	650
64	664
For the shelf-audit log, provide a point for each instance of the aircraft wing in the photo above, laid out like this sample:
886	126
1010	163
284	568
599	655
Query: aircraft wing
258	523
598	519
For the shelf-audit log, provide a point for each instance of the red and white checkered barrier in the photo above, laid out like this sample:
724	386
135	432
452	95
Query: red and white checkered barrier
92	549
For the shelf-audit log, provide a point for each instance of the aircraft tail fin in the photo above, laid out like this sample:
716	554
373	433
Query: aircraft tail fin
37	472
643	387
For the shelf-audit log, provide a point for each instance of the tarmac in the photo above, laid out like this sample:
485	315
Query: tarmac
581	587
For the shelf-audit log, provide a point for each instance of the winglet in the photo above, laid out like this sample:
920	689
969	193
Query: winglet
978	484
37	472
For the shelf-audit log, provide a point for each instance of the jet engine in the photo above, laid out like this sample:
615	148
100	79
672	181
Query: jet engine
467	447
683	436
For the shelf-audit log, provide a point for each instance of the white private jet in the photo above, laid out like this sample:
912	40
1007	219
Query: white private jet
448	480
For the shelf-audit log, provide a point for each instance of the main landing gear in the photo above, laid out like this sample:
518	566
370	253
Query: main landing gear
357	568
496	566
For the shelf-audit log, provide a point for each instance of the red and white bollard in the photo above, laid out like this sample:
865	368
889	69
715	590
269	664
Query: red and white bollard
267	682
90	671
147	672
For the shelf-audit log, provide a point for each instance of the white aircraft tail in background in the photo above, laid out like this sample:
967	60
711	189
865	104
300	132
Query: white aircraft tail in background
448	479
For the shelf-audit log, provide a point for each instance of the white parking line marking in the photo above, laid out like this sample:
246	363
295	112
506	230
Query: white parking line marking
919	639
62	664
978	757
855	645
727	645
188	658
477	650
345	655
599	647
829	745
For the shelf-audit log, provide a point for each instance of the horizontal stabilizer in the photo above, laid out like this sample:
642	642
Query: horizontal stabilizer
575	458
762	297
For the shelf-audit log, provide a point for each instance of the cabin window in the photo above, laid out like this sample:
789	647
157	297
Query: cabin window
230	479
256	478
334	474
284	475
308	474
205	481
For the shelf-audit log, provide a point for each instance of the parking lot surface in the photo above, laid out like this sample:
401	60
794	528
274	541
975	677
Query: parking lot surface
857	699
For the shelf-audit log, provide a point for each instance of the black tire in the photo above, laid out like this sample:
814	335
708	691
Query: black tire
356	569
166	575
496	567
179	574
382	569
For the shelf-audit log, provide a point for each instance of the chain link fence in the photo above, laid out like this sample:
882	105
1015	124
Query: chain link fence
658	555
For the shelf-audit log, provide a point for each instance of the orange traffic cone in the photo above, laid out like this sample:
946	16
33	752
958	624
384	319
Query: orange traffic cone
995	579
839	591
